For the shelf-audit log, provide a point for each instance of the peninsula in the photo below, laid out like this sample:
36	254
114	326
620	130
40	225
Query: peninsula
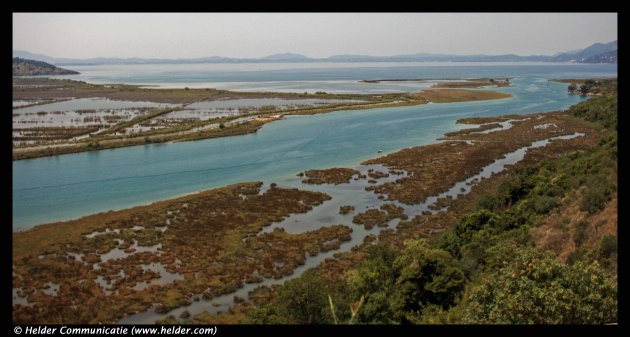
166	115
25	67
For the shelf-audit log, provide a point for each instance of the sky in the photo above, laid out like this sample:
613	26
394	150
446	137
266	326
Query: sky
250	35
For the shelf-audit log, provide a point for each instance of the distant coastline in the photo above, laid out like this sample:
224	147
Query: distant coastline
596	53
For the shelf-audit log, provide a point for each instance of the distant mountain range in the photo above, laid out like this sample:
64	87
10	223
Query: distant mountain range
596	53
607	57
24	67
592	52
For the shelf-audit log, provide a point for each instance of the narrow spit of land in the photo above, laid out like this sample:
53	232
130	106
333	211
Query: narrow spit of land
454	82
150	127
100	268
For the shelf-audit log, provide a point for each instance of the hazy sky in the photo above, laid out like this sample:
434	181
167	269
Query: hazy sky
84	35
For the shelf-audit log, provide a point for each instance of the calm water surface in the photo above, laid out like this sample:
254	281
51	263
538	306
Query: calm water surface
329	77
65	187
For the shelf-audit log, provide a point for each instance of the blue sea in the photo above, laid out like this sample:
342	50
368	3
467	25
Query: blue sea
69	186
329	77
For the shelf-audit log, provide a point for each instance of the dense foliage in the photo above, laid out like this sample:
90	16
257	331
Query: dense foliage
594	86
396	287
538	289
601	109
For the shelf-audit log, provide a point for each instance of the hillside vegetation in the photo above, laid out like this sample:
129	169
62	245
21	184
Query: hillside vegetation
541	248
25	67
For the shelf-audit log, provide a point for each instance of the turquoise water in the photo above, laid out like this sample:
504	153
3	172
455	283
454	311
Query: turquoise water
65	187
329	77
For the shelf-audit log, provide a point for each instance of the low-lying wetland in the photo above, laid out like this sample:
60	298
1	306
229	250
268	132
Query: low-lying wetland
127	115
201	254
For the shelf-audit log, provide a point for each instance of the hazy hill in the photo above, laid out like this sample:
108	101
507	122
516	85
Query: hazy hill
25	67
586	55
286	57
607	57
583	55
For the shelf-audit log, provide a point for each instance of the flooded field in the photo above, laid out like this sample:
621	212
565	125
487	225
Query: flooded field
72	119
69	120
230	107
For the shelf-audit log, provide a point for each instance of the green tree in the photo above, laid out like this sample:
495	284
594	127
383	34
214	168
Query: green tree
304	300
471	223
397	287
598	192
426	276
375	280
537	289
608	246
488	202
266	314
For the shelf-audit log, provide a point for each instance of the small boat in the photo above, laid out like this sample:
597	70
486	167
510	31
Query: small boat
380	150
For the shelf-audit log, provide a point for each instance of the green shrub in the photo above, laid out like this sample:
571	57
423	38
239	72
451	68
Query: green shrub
488	202
598	192
579	236
608	246
266	314
543	204
537	289
425	276
450	243
577	255
304	300
472	222
602	110
397	286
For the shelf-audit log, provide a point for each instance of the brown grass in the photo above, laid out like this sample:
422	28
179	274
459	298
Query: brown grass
210	240
436	167
379	217
556	233
457	95
330	176
473	83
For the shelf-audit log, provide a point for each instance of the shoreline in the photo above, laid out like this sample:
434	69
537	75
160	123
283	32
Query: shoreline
457	82
197	130
153	215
